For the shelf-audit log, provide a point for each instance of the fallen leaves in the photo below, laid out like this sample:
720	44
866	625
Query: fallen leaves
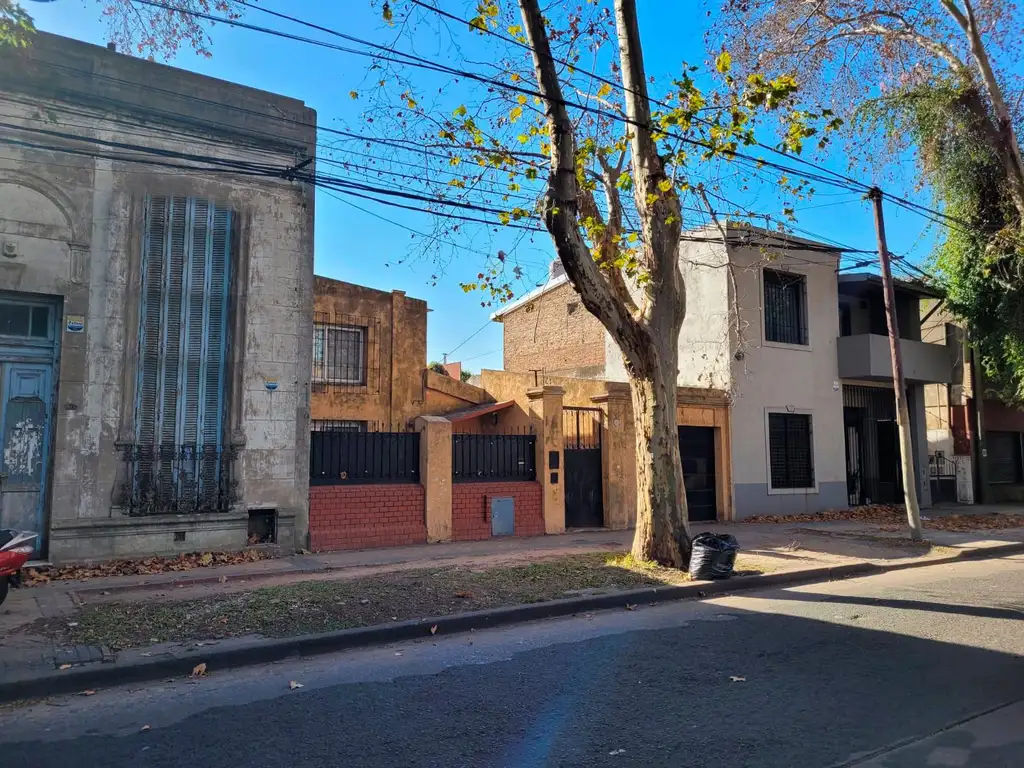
893	517
89	692
433	630
144	567
292	684
144	728
62	667
199	670
737	679
630	606
464	595
615	752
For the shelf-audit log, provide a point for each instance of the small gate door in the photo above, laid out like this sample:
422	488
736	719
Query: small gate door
581	436
25	394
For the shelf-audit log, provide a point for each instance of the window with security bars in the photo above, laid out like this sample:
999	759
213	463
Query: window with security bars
791	450
785	307
339	354
178	458
1004	457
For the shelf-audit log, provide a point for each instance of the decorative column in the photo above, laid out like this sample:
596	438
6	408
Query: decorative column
618	457
546	414
436	475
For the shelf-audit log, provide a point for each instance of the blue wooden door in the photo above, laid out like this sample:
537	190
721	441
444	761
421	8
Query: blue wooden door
24	441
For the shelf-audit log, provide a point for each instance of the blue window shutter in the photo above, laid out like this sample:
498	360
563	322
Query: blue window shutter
183	343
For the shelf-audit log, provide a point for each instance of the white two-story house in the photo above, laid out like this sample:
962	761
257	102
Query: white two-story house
800	350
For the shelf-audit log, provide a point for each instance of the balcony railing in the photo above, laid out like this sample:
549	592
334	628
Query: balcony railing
172	479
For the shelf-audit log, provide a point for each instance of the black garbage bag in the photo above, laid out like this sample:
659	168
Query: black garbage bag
713	556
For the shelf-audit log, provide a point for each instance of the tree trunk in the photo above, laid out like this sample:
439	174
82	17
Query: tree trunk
662	527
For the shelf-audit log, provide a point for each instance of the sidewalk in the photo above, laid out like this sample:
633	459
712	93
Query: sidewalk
780	553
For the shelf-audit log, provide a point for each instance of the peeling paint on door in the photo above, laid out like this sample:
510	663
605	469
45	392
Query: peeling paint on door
23	452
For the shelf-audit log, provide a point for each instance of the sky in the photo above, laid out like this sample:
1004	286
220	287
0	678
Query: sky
373	246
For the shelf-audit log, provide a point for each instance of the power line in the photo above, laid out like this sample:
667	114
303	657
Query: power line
419	62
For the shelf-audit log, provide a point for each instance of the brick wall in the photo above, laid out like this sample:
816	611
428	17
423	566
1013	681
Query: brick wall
553	333
366	516
471	509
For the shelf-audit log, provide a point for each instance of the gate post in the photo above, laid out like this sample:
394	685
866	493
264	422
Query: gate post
546	415
436	475
618	457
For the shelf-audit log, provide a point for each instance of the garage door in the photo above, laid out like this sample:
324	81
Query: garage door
697	449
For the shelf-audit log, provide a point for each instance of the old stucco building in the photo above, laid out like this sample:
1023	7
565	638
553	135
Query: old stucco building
155	306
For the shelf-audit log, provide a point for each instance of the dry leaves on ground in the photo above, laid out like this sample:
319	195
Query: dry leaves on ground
891	517
144	567
293	685
199	670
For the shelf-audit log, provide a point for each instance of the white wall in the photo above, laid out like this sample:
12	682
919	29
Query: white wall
795	378
704	343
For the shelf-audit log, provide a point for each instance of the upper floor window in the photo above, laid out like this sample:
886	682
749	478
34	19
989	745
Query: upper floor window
785	307
339	354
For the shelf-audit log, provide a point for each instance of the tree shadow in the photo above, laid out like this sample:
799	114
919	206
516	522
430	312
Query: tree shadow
978	611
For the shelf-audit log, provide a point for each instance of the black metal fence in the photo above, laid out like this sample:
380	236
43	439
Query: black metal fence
172	479
340	453
494	458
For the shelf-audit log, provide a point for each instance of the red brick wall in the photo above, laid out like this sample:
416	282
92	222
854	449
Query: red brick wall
471	509
366	516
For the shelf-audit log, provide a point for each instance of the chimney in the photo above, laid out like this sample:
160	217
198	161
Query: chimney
112	46
556	270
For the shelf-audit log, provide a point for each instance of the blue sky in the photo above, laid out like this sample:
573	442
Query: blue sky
357	246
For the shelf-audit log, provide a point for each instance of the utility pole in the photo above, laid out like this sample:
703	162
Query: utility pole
899	385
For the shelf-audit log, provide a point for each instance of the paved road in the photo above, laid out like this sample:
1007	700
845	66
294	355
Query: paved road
917	668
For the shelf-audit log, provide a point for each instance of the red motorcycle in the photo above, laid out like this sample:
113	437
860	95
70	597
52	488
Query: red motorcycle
15	549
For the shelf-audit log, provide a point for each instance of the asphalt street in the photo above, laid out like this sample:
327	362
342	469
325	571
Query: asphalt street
915	668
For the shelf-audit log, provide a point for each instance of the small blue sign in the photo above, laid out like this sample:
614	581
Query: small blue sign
270	384
75	324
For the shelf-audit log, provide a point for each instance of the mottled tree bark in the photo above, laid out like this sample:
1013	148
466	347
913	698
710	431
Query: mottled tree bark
647	334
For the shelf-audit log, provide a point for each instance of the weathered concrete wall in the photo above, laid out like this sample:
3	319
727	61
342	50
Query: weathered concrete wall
789	378
76	221
396	353
555	334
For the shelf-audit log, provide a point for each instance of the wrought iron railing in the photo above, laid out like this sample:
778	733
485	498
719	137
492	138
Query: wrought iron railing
493	457
173	479
344	452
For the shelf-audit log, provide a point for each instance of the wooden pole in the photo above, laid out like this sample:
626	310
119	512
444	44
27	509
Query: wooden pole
899	385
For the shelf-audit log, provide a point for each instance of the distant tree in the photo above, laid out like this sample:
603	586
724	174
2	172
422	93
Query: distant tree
942	77
465	375
437	367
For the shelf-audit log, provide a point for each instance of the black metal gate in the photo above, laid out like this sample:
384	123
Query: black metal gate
581	435
697	452
942	472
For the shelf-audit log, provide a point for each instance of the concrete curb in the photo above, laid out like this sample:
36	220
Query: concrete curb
133	667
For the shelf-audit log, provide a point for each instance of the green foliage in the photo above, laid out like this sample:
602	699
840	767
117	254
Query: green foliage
981	257
16	26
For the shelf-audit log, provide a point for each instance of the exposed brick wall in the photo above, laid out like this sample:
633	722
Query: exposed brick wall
366	516
471	507
553	333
